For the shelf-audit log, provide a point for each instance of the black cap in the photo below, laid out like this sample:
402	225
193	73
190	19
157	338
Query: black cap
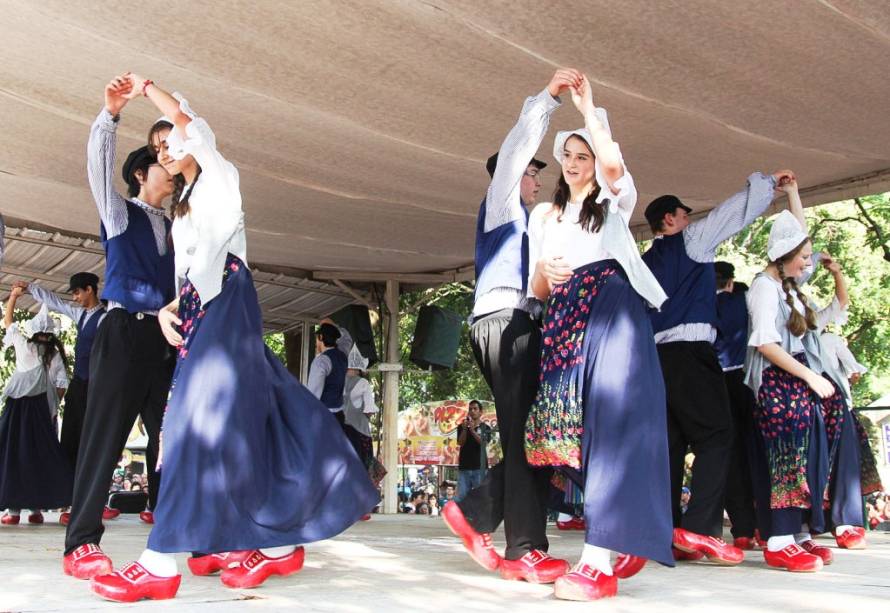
83	280
140	158
724	270
661	206
492	163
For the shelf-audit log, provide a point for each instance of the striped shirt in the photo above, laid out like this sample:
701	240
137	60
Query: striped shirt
702	238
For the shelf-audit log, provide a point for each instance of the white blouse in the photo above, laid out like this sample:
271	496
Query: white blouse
358	403
764	298
551	234
29	378
214	225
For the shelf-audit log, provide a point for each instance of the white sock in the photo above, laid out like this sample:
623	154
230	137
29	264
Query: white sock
564	517
278	552
802	537
597	557
841	529
14	512
778	543
159	564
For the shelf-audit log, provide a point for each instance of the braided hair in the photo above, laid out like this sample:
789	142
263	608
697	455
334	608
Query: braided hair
798	323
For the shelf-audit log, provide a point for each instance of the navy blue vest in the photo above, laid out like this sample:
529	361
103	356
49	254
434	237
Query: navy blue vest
501	254
691	286
732	327
135	275
332	392
86	333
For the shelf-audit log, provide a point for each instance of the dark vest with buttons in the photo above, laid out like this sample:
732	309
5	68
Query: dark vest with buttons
732	328
691	286
501	254
332	392
136	276
86	333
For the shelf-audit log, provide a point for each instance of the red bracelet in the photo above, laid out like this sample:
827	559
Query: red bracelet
145	86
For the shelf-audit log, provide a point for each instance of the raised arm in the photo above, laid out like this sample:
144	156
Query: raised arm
10	306
54	301
503	203
734	214
606	151
836	311
101	151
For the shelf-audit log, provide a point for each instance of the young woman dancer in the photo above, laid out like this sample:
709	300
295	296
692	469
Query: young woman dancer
794	399
251	460
599	411
34	470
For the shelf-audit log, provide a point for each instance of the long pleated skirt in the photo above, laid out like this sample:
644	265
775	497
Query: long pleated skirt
600	412
34	470
250	458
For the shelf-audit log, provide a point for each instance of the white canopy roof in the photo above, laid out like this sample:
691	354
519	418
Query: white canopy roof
361	128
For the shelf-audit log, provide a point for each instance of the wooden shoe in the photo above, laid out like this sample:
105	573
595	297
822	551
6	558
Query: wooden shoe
254	570
851	539
584	582
535	567
794	559
202	566
810	546
477	544
10	520
132	583
717	550
626	566
86	562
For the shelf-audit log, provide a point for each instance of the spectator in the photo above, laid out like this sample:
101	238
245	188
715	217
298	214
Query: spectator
136	487
685	494
472	436
423	509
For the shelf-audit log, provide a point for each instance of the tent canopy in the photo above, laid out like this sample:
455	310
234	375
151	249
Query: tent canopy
360	129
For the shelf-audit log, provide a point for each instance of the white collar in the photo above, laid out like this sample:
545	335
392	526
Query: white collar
147	207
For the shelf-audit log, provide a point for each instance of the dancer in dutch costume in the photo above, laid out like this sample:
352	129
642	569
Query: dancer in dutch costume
35	472
251	461
784	370
506	341
599	411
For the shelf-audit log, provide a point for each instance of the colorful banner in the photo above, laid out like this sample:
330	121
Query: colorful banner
428	432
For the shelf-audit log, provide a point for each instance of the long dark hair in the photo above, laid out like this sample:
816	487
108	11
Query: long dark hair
48	345
799	322
593	215
178	208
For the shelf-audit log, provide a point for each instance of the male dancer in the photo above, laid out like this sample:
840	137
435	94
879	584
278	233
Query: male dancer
131	363
506	344
86	315
681	258
731	345
327	372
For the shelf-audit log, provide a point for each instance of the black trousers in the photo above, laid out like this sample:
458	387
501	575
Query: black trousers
507	347
698	417
130	370
739	491
72	425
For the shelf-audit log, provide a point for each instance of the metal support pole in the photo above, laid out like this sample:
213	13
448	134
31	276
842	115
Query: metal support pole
391	401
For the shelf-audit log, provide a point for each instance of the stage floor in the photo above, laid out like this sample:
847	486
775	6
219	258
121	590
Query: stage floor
413	563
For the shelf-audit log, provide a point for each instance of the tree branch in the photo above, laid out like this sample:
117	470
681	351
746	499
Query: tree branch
874	227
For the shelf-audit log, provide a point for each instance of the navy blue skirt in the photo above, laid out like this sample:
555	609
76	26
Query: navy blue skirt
624	448
250	458
34	471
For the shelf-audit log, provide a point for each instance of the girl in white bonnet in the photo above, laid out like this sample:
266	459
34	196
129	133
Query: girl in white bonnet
34	470
803	437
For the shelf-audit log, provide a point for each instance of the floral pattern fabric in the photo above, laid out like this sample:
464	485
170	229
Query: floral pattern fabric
556	420
785	412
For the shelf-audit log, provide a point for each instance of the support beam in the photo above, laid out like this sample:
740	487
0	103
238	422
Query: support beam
416	278
362	298
305	348
390	439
